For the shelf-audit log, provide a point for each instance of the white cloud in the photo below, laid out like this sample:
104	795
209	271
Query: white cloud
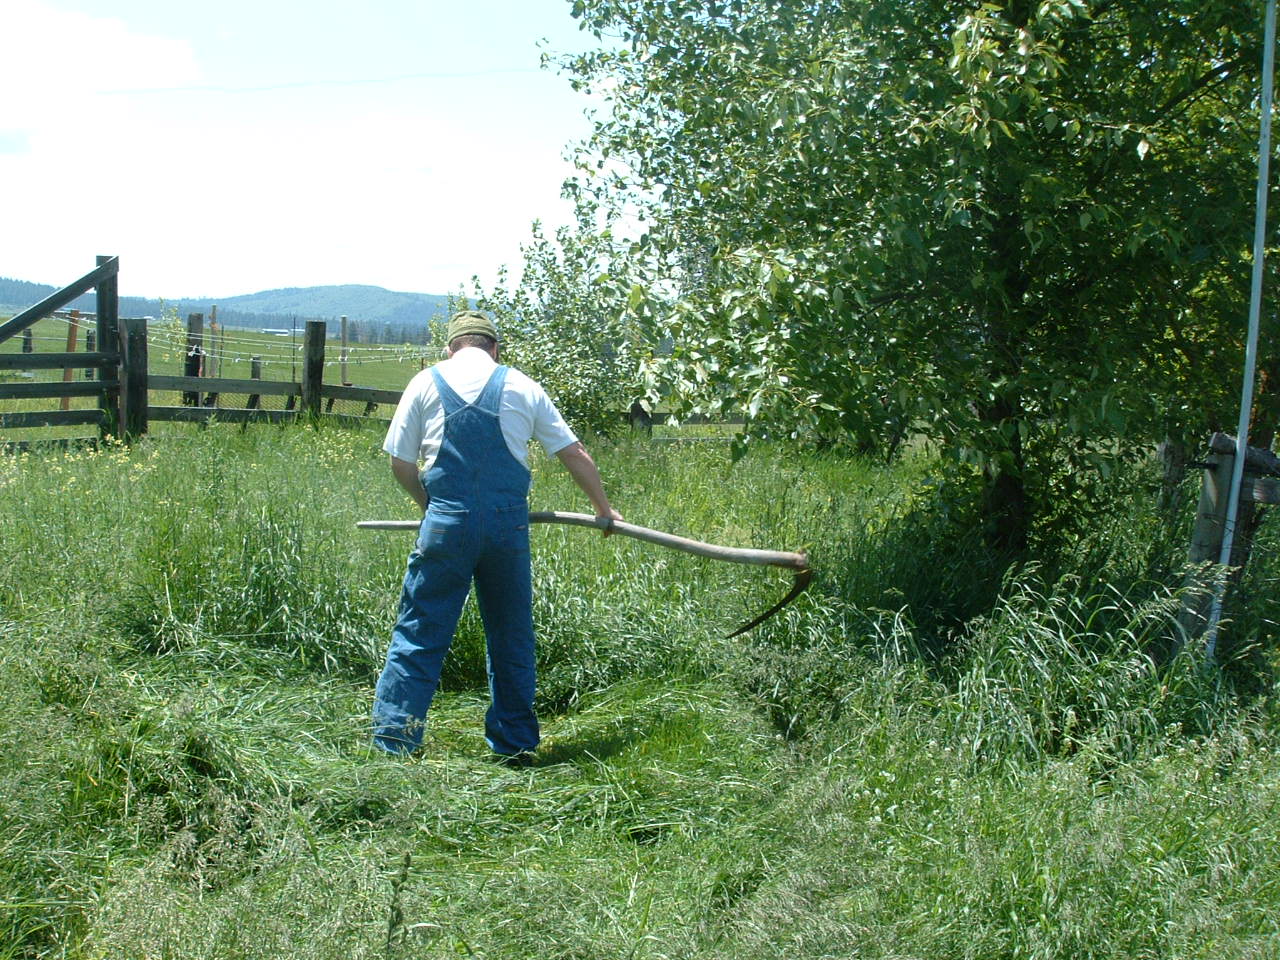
58	61
68	171
209	192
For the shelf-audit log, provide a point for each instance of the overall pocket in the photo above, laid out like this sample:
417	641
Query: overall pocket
441	530
510	528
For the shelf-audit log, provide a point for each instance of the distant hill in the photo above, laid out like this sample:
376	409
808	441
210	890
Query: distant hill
356	301
375	313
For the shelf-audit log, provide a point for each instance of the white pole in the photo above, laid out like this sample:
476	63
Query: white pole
1251	348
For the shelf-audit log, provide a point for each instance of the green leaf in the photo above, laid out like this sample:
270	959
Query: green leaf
890	212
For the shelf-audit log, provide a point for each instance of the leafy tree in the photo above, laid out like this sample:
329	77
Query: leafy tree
1019	228
562	324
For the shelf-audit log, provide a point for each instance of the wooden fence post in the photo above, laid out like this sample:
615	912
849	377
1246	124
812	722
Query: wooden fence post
195	348
28	340
1206	545
255	373
108	317
90	346
133	377
73	329
212	357
312	367
214	369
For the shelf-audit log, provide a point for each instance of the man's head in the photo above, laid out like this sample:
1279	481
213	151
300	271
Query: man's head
471	328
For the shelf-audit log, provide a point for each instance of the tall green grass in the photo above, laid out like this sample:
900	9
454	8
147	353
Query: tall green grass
929	754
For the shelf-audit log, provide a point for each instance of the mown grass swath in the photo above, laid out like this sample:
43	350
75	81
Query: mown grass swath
926	755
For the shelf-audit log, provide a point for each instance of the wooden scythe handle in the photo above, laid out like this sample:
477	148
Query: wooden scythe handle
797	562
768	558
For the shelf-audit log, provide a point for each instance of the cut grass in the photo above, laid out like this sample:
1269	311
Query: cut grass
190	632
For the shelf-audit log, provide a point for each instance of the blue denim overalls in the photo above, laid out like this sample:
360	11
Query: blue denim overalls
477	524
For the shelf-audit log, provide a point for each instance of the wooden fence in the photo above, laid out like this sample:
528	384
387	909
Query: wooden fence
123	384
212	398
105	360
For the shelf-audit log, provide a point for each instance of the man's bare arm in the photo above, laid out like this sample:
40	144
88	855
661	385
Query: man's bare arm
406	475
587	476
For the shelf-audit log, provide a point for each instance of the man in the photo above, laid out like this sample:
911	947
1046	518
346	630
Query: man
469	421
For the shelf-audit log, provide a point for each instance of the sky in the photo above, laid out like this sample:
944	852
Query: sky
225	148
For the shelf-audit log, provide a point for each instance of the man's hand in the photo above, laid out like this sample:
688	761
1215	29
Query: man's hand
611	516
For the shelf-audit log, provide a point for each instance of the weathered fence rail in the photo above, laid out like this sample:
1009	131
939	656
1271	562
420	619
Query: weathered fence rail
45	361
209	399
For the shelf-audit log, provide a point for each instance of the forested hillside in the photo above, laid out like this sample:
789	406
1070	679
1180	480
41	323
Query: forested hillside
375	314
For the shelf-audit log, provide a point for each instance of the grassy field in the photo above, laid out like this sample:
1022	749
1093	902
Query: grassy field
926	756
379	365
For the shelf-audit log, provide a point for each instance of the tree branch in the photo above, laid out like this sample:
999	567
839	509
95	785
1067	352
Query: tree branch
1202	84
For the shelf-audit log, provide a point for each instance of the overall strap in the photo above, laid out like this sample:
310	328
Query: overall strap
490	399
448	396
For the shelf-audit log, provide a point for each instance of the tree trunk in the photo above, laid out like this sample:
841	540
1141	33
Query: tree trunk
1007	510
1007	507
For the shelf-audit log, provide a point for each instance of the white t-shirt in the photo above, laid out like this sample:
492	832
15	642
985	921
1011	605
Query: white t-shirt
526	412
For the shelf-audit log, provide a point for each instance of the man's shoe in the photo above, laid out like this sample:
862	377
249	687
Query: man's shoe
517	761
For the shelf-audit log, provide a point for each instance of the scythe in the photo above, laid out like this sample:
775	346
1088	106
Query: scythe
797	562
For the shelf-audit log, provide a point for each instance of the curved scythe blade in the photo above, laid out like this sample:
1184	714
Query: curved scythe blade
798	561
798	586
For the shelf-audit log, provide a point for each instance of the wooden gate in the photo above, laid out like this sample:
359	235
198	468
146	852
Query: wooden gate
105	360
